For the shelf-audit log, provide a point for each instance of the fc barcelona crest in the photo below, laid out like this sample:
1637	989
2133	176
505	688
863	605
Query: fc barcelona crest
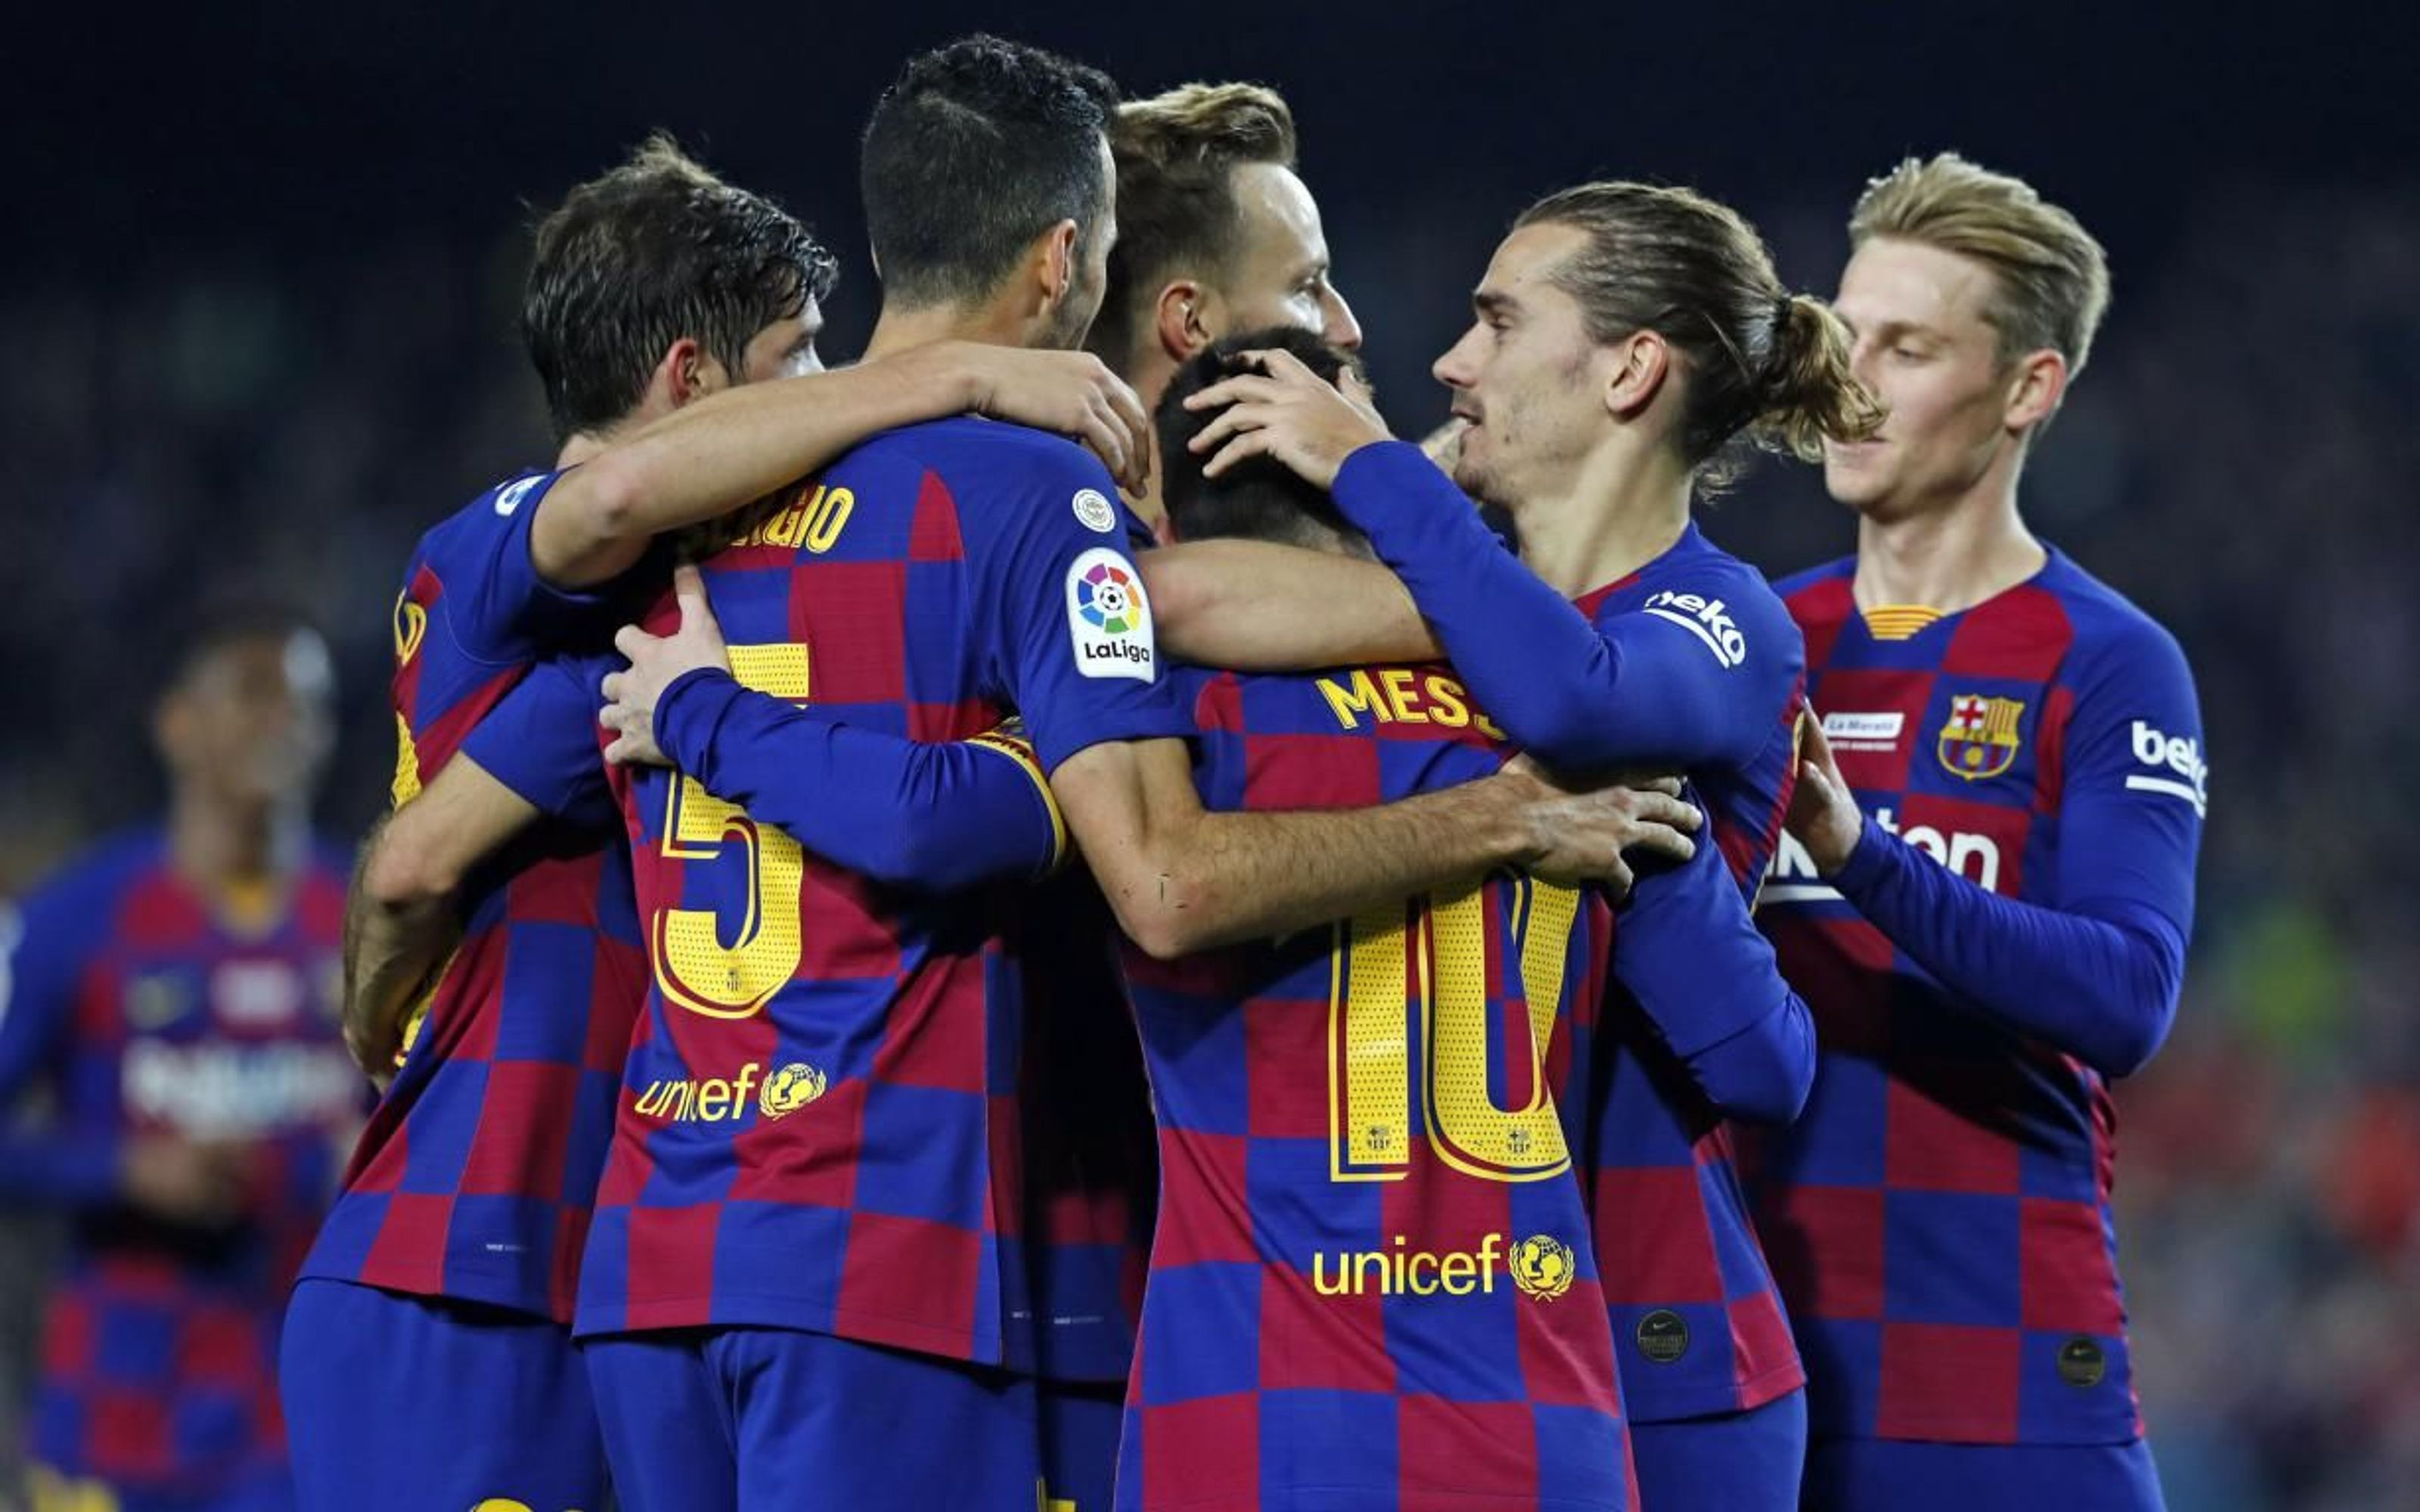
1980	739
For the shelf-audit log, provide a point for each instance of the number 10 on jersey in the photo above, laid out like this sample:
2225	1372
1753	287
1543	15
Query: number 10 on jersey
1411	1016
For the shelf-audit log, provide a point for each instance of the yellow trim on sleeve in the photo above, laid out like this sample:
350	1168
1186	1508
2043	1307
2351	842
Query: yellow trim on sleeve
1022	752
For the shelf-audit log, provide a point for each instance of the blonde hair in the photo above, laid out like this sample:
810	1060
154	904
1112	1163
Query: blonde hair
2051	278
1176	154
1762	364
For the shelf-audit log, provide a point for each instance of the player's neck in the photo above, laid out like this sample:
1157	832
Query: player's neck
993	324
1149	374
1621	510
222	847
581	448
1949	559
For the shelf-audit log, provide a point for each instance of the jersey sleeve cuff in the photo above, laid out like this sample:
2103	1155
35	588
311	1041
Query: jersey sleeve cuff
688	711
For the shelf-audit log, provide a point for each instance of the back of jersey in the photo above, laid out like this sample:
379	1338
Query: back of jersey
819	1128
475	1177
1373	1272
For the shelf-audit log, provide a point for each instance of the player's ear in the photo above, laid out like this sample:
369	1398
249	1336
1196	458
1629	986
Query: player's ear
1641	362
171	726
1055	263
1182	319
686	372
2034	389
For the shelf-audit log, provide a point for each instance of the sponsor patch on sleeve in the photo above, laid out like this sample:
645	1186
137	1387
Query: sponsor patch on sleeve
1108	619
2173	767
1708	619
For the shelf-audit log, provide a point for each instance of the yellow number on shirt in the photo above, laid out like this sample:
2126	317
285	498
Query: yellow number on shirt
1421	971
693	966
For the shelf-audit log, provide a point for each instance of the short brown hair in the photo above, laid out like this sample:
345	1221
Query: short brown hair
2051	278
640	256
1176	154
1759	361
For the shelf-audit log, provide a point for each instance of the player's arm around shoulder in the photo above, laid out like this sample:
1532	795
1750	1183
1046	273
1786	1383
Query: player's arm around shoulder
1183	879
401	914
732	447
1261	605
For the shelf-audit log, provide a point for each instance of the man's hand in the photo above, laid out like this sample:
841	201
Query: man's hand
1073	393
1824	813
1587	834
655	661
183	1181
1289	412
374	1048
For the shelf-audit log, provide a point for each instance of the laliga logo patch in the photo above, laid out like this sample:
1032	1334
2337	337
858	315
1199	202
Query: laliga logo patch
789	1089
1110	600
1095	511
1541	1266
1108	621
1980	739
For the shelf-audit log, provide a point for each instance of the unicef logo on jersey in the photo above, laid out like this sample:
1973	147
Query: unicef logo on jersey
1541	1266
789	1089
1108	619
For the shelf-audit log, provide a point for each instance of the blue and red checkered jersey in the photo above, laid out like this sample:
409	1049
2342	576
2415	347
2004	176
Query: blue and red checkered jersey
1372	1277
1690	663
1698	1321
475	1175
820	1125
2031	773
150	1011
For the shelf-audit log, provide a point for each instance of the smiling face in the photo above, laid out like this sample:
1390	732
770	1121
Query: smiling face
1525	377
1924	345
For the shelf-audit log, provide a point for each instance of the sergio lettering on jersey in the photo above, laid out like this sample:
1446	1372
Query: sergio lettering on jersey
2167	753
1108	619
1709	619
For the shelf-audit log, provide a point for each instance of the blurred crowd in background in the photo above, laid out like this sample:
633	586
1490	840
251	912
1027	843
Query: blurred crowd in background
2239	458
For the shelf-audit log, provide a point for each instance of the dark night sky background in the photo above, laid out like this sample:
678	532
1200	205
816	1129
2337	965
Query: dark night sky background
204	132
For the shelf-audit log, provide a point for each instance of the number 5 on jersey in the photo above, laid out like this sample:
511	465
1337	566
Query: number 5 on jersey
694	967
